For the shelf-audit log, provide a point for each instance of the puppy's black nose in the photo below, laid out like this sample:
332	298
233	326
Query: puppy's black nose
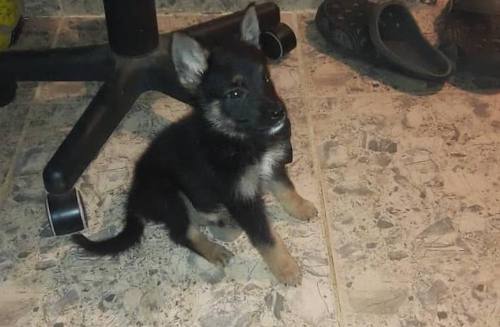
277	113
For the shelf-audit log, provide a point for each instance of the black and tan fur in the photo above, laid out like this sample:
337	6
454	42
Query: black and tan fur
219	159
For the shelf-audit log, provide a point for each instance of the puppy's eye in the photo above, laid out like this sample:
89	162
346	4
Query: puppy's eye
234	94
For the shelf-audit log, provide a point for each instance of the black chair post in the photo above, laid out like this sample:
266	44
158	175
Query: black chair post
132	26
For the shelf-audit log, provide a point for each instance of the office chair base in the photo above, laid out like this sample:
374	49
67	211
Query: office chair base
66	212
136	60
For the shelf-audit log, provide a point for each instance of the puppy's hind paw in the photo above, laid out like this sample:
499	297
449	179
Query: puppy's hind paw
220	255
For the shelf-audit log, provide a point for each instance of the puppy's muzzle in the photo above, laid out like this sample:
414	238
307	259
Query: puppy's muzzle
277	113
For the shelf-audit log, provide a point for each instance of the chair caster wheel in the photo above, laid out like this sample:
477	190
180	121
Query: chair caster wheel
65	212
279	41
8	90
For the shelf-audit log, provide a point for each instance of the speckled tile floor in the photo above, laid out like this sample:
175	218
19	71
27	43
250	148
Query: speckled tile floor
405	175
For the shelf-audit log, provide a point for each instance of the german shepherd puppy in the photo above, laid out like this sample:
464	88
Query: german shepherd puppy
219	159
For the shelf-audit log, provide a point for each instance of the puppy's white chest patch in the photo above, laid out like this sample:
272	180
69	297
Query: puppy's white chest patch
249	183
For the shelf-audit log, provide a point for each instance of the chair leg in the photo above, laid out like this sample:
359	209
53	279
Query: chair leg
91	63
82	145
8	89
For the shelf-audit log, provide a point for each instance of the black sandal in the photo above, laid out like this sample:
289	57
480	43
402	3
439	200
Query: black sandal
469	33
382	33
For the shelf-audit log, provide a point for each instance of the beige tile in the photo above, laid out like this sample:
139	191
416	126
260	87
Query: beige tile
46	127
301	169
285	74
171	22
408	210
38	33
42	8
12	121
286	71
158	282
66	91
410	186
78	7
80	31
53	118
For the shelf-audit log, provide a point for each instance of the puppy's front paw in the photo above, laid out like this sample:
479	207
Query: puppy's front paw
281	263
307	210
302	209
288	272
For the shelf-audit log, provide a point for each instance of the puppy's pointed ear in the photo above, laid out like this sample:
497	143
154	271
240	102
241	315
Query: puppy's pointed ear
190	60
250	31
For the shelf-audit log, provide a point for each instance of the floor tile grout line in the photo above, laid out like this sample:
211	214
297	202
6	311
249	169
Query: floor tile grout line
317	174
159	13
393	92
61	8
58	32
9	178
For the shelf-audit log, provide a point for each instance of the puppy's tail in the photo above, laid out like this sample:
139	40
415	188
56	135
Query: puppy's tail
128	237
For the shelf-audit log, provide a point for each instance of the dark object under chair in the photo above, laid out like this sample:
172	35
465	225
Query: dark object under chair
136	60
384	33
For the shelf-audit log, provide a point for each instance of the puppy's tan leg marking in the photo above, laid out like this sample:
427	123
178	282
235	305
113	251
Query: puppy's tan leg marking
295	205
211	251
280	262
